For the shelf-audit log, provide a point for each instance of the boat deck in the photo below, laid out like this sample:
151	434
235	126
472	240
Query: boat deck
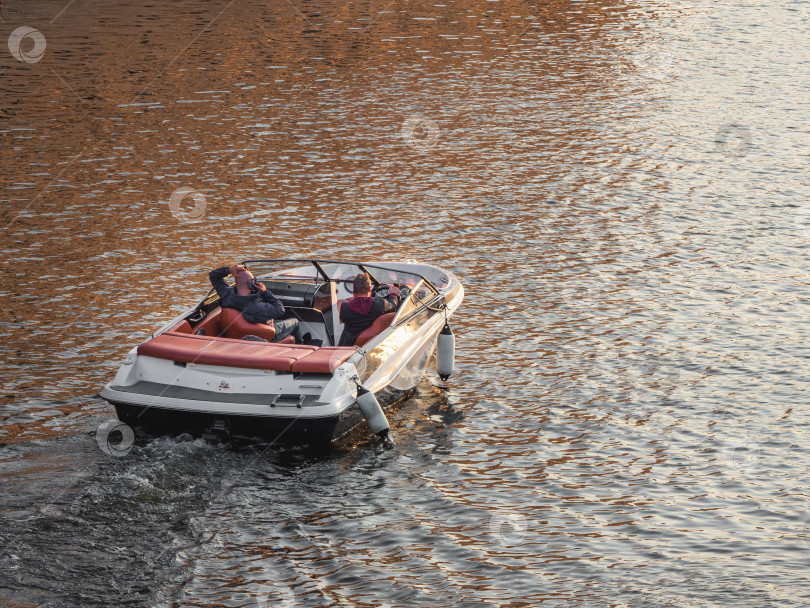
228	352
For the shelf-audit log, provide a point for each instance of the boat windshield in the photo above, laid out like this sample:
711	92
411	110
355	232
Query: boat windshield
395	277
342	273
295	271
309	271
419	297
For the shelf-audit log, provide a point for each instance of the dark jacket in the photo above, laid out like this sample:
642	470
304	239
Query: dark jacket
259	307
358	314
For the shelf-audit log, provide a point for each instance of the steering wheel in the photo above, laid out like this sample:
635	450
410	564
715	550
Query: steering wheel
382	290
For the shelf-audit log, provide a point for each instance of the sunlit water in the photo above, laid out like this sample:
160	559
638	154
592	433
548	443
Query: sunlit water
622	188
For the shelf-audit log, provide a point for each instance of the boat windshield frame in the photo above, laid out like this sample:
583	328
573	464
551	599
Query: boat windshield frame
402	314
325	276
411	307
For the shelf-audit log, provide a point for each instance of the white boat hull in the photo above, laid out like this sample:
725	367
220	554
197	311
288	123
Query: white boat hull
162	396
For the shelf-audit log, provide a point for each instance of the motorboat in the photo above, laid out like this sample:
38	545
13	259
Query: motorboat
198	374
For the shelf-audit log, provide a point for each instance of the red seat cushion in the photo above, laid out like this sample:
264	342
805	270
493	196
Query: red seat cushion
233	325
324	360
183	327
380	324
206	350
210	323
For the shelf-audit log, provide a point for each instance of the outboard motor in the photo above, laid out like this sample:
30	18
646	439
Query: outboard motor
445	352
219	431
374	414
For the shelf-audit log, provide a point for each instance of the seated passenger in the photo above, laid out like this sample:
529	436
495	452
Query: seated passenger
358	313
253	300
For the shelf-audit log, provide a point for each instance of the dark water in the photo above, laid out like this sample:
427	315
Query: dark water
622	188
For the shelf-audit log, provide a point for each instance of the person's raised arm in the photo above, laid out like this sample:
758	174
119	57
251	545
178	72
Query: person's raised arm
217	278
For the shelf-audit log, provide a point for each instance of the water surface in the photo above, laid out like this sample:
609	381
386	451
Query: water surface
621	187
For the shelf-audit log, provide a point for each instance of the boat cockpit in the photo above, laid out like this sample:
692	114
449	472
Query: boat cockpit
312	292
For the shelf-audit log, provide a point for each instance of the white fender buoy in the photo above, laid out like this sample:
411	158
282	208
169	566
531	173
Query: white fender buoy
373	413
445	352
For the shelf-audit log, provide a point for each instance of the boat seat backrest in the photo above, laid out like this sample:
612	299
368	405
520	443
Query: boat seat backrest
380	324
183	327
210	324
233	325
